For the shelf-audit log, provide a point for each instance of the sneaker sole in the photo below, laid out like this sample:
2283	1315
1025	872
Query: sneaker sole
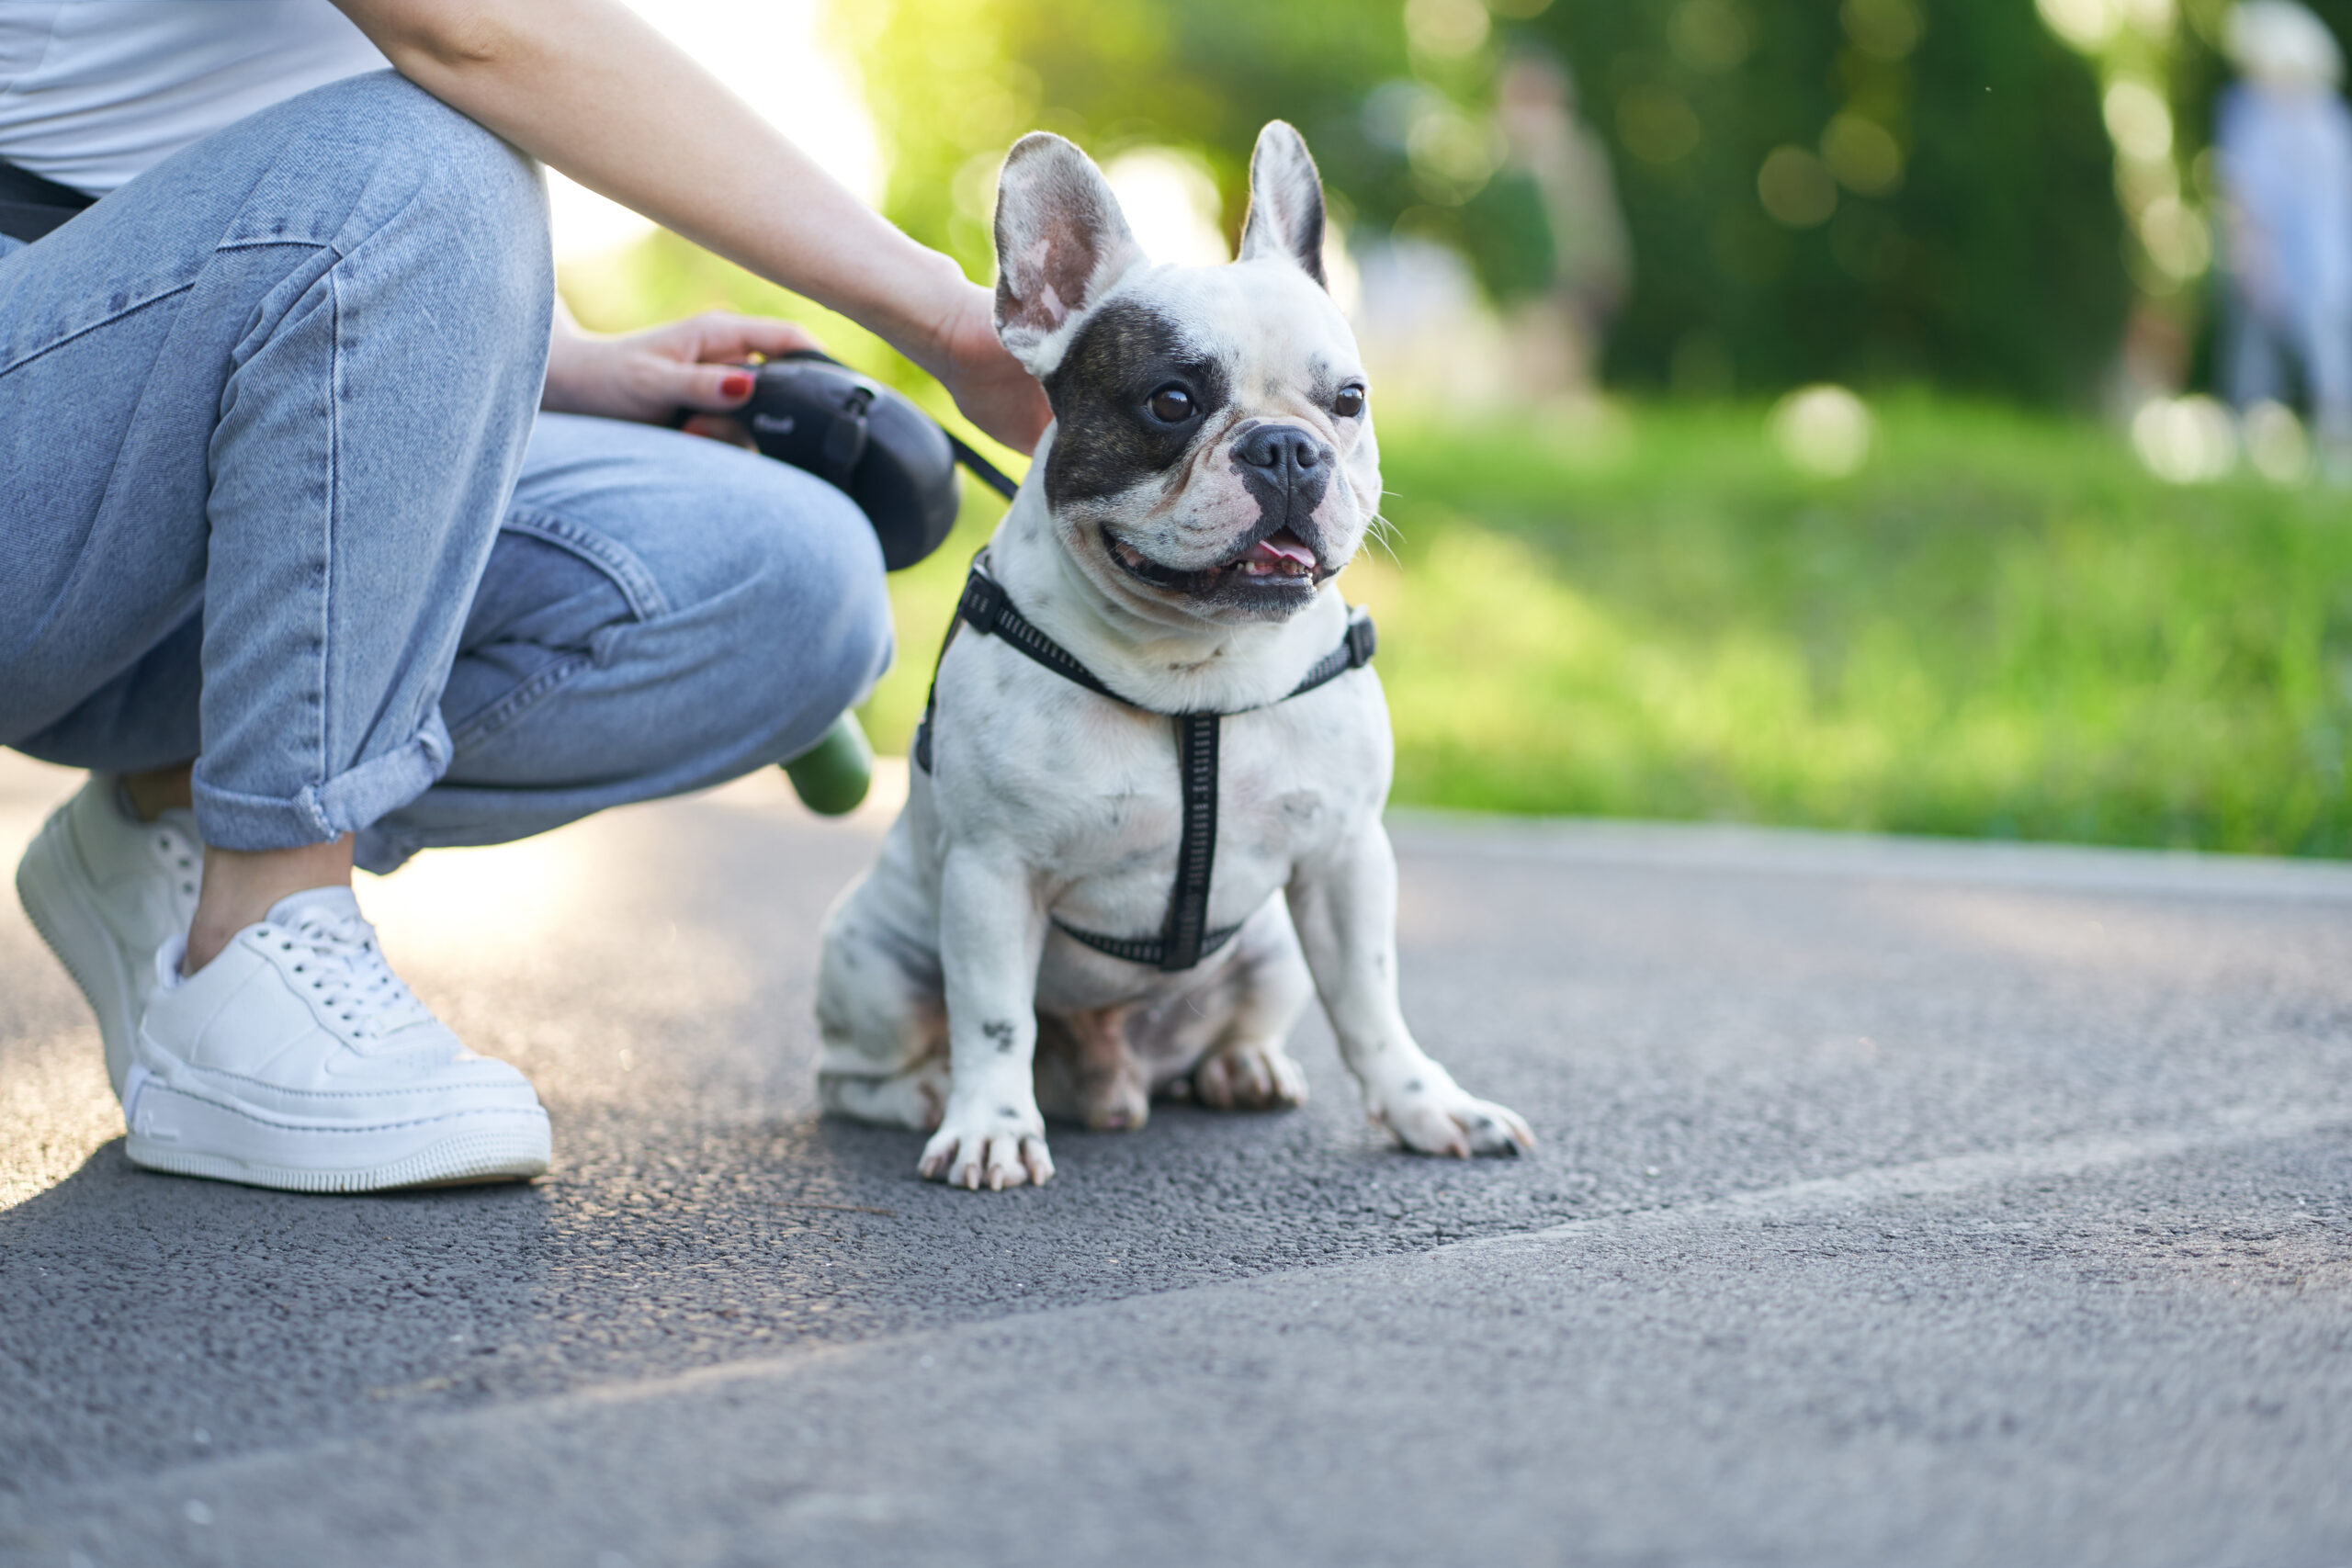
189	1135
60	911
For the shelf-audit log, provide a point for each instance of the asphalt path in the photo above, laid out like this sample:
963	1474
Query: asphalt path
1897	1203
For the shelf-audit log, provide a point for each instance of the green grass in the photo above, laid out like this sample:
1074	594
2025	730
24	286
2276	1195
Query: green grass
2000	627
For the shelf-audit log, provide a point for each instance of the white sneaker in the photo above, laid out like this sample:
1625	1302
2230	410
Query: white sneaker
298	1059
105	890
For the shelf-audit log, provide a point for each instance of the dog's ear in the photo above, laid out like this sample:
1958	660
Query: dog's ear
1061	243
1285	201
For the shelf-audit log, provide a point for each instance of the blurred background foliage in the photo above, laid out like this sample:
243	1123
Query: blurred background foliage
1966	603
1936	195
1999	625
1874	192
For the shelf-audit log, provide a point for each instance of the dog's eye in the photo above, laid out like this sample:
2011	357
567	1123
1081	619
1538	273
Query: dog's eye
1171	405
1349	403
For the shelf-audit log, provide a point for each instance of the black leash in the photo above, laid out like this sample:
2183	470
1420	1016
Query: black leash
987	473
1184	937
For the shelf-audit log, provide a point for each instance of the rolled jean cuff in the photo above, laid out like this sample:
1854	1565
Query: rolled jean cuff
347	803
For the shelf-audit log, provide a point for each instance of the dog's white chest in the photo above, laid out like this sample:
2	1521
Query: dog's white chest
1290	779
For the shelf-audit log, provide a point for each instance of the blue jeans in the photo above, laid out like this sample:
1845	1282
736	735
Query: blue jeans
274	497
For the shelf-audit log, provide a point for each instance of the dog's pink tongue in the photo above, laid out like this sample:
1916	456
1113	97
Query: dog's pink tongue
1281	547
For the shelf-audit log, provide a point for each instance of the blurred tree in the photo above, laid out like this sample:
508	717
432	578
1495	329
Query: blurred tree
1863	191
1869	192
952	82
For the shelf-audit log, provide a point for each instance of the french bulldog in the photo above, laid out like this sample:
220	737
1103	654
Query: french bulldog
1210	470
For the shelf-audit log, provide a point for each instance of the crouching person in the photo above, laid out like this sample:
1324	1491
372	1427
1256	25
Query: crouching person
328	541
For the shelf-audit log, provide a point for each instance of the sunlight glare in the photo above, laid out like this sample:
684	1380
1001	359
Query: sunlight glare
1170	202
455	907
772	54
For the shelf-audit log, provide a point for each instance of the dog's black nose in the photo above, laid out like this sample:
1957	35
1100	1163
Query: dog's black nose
1283	451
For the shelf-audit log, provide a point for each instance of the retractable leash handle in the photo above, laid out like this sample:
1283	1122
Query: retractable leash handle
832	776
898	464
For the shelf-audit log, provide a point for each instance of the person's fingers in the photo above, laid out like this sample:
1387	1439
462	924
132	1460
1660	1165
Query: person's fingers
713	388
724	335
769	336
1031	414
1013	410
718	427
994	390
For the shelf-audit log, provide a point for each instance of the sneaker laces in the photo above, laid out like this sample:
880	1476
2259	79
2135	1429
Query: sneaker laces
178	853
337	958
172	840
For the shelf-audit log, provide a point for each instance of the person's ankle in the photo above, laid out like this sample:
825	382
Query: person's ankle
240	886
151	793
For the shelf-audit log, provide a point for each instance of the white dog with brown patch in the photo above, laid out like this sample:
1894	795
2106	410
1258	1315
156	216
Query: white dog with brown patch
1144	826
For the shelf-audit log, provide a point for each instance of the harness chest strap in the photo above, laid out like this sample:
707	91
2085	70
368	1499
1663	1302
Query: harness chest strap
1184	939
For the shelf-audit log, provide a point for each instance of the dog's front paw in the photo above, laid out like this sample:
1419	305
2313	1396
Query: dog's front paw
989	1145
1431	1114
1249	1077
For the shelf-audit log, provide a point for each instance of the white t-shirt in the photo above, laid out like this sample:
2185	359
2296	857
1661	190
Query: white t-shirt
95	92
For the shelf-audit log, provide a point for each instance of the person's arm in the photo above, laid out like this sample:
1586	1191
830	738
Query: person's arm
589	88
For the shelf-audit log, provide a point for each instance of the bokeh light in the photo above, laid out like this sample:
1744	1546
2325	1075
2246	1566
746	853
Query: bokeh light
2190	440
1822	430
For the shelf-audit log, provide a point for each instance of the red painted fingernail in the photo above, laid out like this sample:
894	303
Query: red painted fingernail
736	386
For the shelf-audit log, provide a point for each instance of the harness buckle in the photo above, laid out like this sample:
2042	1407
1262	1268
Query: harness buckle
984	601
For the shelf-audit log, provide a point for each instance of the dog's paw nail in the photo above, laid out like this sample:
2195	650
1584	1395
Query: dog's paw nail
1040	1165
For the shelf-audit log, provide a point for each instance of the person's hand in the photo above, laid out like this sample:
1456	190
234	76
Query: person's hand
992	387
649	375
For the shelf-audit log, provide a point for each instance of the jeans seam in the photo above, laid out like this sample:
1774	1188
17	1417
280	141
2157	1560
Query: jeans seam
334	502
274	242
134	308
502	714
106	321
644	596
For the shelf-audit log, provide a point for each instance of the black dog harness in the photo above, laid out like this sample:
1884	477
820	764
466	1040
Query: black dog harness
1185	940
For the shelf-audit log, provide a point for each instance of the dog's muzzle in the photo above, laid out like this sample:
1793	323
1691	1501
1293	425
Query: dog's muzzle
1287	469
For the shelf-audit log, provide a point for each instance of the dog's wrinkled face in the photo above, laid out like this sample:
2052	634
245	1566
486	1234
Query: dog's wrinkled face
1213	447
